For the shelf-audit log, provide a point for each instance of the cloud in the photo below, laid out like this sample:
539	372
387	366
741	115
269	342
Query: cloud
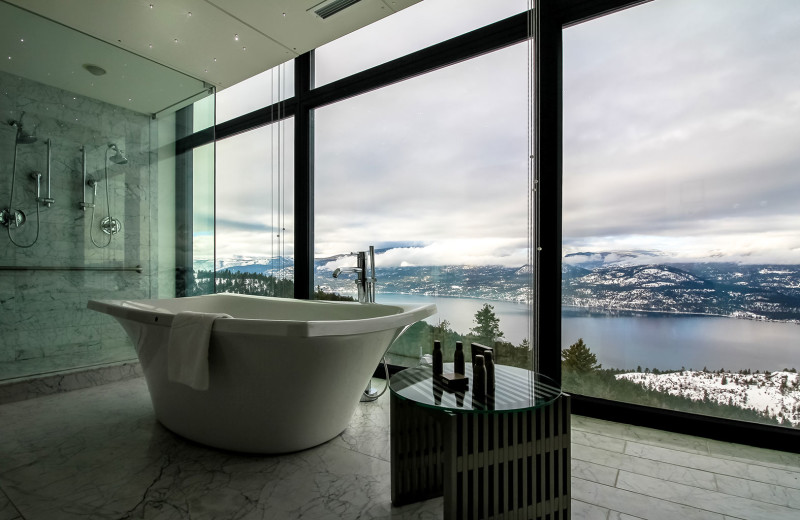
506	252
684	142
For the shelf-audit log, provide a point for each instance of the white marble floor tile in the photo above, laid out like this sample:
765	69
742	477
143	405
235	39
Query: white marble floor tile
662	470
642	435
99	453
7	509
748	470
368	432
605	442
636	504
616	515
594	472
765	457
760	491
586	511
705	499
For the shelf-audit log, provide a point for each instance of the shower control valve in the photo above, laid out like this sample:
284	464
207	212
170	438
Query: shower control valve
12	217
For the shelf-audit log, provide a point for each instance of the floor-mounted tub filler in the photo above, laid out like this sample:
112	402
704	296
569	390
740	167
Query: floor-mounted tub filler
282	375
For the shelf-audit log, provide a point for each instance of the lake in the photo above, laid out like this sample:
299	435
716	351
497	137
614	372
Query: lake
649	340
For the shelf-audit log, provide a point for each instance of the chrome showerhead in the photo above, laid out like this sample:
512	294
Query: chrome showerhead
23	137
119	155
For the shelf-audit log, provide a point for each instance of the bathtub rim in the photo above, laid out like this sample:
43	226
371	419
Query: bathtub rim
147	312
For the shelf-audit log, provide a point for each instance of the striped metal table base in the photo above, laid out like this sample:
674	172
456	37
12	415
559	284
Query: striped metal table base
498	465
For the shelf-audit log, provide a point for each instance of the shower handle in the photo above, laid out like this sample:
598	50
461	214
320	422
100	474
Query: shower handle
38	178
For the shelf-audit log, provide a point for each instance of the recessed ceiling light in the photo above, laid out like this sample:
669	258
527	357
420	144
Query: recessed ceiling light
236	37
244	48
176	40
94	69
151	6
22	40
189	13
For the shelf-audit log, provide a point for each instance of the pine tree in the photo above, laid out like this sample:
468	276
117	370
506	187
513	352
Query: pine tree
579	358
487	324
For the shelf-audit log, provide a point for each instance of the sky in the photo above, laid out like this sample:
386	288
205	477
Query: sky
681	137
682	131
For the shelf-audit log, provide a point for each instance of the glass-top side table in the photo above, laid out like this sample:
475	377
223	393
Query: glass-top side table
500	456
515	389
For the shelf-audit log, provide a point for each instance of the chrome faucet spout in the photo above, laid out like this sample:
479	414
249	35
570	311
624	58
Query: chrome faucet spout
364	283
339	270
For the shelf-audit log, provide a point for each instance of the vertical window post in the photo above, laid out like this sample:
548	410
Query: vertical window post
547	174
304	179
184	274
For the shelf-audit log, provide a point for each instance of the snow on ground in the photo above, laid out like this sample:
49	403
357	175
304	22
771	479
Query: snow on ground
776	393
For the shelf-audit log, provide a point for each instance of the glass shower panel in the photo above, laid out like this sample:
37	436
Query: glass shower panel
81	168
433	172
203	219
255	208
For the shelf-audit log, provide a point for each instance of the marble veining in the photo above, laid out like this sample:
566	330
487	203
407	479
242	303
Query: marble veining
98	453
30	388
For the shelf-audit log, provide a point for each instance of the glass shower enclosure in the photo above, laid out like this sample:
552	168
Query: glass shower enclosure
88	191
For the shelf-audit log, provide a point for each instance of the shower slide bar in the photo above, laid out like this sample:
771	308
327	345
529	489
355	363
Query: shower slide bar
139	269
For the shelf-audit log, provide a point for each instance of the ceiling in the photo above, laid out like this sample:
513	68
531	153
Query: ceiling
176	48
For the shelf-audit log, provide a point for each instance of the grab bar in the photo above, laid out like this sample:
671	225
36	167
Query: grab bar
139	269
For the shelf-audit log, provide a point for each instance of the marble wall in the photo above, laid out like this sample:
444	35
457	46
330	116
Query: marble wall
44	323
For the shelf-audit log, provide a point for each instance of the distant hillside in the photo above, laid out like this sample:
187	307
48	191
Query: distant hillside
750	291
608	280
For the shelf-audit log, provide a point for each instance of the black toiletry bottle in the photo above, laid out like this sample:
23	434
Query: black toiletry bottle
458	359
438	361
478	379
488	360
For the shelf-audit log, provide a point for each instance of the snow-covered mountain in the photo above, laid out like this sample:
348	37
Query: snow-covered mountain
776	394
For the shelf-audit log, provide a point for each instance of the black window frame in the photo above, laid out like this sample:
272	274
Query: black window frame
547	22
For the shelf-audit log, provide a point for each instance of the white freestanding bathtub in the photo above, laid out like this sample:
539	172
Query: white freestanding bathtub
284	375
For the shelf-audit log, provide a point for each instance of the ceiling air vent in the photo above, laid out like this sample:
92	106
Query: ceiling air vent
331	7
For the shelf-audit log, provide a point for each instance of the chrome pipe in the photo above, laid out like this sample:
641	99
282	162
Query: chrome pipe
137	269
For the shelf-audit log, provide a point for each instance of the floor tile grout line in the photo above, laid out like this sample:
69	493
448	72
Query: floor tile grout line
760	501
643	441
10	501
652	498
707	444
714	474
747	462
608	511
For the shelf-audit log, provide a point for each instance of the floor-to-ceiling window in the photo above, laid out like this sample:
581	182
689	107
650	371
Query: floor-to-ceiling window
254	212
681	256
432	171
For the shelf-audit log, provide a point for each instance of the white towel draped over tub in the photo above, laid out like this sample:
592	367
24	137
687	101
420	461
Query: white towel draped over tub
187	353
